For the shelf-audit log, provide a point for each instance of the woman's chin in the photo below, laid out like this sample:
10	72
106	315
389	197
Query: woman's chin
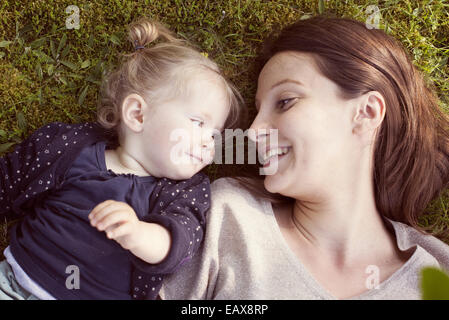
273	184
274	179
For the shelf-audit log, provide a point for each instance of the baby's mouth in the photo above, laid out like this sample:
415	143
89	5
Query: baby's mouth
195	157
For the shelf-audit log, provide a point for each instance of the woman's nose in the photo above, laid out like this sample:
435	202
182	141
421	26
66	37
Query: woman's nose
259	129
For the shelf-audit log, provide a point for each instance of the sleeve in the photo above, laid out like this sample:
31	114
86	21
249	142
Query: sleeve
181	207
38	164
200	279
195	280
17	169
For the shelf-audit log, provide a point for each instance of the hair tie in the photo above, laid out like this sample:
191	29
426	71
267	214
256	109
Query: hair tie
137	47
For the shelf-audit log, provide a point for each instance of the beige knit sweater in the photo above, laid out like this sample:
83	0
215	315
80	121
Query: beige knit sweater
244	256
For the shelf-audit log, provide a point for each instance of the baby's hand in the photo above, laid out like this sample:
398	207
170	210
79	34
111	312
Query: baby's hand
118	220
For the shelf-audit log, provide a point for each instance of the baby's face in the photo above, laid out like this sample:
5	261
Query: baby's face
179	134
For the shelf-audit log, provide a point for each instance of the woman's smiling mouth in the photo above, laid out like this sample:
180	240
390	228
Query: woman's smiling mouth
274	153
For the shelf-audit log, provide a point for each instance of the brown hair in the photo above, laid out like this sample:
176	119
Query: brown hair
411	154
157	73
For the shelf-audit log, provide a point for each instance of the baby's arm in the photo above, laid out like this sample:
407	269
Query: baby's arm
21	169
38	164
148	241
171	233
181	207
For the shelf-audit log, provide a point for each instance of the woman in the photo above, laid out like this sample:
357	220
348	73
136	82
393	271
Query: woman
361	150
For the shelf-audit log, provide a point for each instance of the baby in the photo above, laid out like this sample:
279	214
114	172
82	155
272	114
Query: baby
111	207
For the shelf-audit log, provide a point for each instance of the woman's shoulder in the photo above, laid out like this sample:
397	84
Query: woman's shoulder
230	189
230	197
408	236
225	185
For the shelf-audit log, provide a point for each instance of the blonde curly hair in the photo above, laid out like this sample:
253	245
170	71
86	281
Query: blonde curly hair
157	73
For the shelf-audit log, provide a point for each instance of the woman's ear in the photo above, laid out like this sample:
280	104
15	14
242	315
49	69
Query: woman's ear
369	112
133	108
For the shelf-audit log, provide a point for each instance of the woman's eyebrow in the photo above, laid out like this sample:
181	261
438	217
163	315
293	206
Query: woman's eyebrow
286	81
278	84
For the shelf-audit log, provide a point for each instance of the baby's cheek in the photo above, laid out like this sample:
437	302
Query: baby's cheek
208	156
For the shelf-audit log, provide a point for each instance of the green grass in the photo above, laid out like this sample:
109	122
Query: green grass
50	73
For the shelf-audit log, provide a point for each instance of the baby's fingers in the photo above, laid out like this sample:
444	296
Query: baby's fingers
101	210
111	219
120	230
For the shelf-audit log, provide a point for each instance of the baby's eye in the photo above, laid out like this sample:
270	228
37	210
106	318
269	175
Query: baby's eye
197	122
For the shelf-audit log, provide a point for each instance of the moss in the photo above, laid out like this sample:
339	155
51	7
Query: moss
15	94
230	32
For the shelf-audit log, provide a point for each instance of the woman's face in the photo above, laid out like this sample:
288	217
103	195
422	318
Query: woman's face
311	120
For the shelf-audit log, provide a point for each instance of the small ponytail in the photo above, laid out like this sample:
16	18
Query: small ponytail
144	31
157	73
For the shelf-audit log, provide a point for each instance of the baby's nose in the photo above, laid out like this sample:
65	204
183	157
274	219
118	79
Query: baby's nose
208	152
208	144
207	139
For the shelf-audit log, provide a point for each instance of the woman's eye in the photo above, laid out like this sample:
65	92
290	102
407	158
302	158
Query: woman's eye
284	103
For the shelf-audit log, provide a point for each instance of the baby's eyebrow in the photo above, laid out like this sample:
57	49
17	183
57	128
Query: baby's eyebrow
207	116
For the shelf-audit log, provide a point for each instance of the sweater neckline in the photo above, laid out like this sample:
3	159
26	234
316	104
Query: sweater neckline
101	158
321	290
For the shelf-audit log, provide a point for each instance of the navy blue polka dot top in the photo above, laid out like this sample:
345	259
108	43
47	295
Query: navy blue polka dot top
55	178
